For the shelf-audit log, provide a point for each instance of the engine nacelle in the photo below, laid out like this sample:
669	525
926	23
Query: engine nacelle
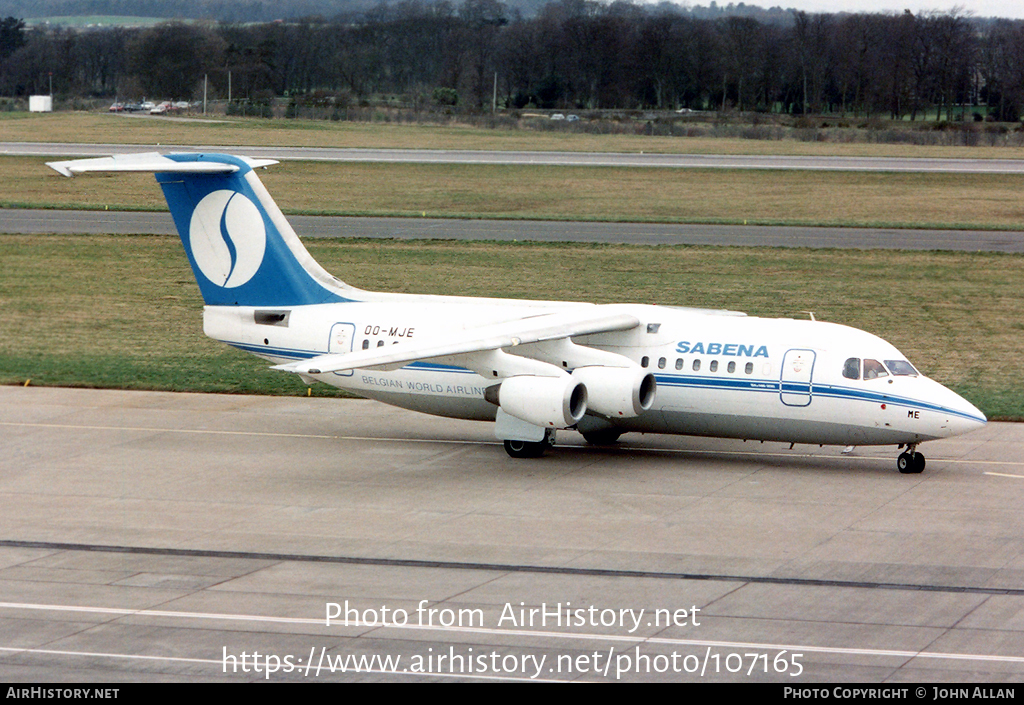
617	392
551	402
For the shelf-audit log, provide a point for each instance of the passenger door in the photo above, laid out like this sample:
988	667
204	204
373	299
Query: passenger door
795	387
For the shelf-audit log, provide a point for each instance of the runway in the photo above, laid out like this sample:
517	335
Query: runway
528	158
159	536
103	222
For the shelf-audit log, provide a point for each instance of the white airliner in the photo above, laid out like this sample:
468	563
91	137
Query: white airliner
532	367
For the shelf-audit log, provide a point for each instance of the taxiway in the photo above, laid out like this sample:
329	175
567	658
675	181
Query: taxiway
528	158
150	536
142	223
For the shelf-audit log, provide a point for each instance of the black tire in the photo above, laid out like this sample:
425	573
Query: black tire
604	437
918	463
526	449
903	463
910	463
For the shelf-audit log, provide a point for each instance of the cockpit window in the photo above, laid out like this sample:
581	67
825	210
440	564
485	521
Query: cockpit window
874	369
851	370
901	368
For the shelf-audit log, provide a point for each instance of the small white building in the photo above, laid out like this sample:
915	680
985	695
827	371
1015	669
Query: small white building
40	104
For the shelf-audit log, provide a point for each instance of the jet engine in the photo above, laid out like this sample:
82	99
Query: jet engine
617	392
551	402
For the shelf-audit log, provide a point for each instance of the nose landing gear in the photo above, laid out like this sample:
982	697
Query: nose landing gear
910	462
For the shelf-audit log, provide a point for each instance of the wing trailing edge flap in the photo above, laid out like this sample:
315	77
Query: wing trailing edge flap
477	348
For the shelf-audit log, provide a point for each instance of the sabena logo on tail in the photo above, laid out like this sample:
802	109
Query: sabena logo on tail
228	238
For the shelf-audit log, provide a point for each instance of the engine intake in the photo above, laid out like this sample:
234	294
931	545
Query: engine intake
617	392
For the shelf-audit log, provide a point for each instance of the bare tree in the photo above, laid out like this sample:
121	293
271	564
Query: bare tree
170	59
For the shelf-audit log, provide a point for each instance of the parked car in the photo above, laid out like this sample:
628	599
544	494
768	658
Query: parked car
572	118
557	116
161	109
116	108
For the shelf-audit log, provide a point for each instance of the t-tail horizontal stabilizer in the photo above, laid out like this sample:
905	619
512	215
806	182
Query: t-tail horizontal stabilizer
155	162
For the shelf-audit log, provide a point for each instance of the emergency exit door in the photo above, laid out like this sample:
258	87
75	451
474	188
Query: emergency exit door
342	339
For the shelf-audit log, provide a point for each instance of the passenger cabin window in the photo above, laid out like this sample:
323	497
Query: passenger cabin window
749	368
714	366
731	367
679	363
661	363
645	361
901	368
696	365
874	369
851	370
366	345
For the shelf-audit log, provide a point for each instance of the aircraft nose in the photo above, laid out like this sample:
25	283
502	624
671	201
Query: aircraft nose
961	415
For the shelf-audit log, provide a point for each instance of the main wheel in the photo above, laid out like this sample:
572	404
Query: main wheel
910	463
526	449
604	437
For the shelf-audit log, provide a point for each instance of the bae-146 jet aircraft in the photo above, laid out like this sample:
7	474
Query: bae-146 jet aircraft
532	367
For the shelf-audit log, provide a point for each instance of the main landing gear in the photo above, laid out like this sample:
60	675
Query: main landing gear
604	437
535	449
910	461
531	449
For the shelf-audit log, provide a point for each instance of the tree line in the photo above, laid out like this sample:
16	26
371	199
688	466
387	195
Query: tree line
571	54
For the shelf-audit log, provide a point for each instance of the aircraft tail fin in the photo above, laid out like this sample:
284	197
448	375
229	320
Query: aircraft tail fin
242	250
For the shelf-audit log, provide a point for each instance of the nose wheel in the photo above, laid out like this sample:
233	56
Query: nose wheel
910	462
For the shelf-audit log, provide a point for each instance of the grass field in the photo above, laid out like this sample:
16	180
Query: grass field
574	193
123	129
125	312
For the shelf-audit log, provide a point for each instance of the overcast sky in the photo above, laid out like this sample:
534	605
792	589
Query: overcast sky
978	8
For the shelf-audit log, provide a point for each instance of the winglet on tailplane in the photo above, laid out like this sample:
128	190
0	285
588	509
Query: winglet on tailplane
242	250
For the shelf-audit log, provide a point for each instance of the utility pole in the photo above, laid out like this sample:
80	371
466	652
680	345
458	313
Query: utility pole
494	99
205	77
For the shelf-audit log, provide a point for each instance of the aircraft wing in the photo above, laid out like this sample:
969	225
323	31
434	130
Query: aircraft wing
534	329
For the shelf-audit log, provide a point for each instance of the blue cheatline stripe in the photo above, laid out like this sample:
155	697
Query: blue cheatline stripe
862	395
274	351
692	381
819	390
434	367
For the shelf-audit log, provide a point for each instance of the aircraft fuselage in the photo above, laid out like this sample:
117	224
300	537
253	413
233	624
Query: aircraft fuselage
718	374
